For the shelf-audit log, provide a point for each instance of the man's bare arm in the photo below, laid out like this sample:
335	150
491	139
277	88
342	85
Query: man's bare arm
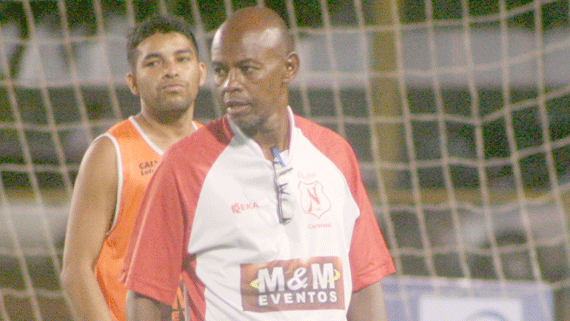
367	304
91	212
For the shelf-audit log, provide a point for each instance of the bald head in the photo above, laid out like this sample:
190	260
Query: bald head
257	25
254	62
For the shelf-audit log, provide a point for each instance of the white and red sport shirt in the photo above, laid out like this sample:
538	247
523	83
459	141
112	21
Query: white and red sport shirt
210	212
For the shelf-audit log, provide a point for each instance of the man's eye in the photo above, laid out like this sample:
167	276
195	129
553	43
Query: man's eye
247	69
151	63
219	70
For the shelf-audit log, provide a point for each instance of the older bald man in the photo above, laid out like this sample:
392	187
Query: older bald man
263	212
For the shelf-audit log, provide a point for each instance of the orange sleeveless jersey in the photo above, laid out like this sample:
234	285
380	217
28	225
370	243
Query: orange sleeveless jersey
137	161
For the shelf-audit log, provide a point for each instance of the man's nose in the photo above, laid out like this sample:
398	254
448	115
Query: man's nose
170	69
232	81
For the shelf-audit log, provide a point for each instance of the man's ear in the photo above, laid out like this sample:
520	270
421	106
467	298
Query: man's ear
132	83
292	64
203	72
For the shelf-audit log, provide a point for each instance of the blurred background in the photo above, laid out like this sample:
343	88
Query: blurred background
458	111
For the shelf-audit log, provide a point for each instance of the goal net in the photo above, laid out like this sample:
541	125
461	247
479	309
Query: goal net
459	113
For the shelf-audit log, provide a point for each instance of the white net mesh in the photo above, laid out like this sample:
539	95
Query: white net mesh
458	111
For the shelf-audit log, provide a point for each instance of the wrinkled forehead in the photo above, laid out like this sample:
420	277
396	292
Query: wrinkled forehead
237	44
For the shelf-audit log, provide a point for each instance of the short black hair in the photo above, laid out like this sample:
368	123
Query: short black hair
157	24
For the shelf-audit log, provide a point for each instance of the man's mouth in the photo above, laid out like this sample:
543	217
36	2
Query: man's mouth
236	107
235	104
172	87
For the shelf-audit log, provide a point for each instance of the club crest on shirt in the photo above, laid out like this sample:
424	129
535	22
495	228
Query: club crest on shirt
313	284
313	199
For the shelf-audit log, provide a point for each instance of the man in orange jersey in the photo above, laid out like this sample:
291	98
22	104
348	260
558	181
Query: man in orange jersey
166	74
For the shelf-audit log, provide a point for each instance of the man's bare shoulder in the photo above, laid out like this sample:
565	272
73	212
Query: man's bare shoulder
100	160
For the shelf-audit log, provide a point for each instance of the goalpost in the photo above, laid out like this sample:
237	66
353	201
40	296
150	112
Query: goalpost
459	113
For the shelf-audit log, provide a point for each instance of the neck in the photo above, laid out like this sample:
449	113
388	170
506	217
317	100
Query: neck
164	134
274	136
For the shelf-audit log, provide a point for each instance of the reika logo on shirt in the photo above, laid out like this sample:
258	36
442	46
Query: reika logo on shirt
148	167
295	284
313	199
238	208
